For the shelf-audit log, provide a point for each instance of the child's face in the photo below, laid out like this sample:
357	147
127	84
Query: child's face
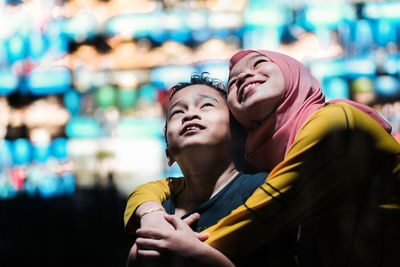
197	115
255	87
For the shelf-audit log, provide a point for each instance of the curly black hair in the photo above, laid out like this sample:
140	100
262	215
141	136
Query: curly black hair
203	78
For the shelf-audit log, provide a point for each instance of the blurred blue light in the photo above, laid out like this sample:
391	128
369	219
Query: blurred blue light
5	154
392	65
328	68
44	81
327	15
389	10
37	46
360	67
147	93
8	82
83	127
170	75
217	69
265	14
49	185
16	48
67	183
72	101
363	37
179	35
82	26
201	35
41	153
140	128
336	88
21	151
140	25
59	148
385	32
387	86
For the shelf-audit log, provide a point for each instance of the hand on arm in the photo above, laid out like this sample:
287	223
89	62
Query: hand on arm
151	214
178	245
155	193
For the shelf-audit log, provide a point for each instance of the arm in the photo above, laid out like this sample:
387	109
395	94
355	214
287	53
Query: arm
179	246
336	151
152	257
153	194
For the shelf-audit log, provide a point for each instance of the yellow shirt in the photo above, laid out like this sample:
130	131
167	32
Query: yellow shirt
340	179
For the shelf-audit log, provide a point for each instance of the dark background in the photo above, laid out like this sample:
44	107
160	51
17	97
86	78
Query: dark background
85	229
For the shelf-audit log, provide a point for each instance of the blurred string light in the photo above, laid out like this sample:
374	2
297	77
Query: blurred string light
107	66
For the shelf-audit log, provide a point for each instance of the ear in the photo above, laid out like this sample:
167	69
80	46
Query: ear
170	158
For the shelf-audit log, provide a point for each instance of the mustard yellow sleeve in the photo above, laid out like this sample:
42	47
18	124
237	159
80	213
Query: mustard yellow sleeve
153	191
336	150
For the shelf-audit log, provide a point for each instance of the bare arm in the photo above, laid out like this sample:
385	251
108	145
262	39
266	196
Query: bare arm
146	197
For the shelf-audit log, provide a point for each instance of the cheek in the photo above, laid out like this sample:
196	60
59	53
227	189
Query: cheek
232	105
223	131
278	83
170	130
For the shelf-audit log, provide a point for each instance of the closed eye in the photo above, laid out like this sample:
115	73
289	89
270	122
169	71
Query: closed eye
207	105
259	61
175	112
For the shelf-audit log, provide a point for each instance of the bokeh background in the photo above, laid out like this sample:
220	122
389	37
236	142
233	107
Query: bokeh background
83	95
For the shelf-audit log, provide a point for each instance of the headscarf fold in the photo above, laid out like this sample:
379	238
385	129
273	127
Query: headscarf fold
268	144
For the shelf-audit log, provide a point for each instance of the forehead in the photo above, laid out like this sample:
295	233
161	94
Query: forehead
244	62
196	91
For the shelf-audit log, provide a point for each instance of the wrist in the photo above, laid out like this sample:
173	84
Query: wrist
145	206
149	211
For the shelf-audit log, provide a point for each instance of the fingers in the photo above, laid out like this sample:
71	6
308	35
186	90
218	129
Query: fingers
191	218
148	253
177	224
144	254
202	236
149	244
153	233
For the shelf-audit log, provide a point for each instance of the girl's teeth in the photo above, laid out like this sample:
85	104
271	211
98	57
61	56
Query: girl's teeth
248	86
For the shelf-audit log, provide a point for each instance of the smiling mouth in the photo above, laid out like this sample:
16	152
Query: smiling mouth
191	128
247	90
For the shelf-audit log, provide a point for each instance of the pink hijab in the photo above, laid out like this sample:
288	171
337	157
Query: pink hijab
268	144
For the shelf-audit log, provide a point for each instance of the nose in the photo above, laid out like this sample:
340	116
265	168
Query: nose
190	114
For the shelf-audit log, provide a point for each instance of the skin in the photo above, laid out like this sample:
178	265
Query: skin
204	154
255	88
199	140
249	108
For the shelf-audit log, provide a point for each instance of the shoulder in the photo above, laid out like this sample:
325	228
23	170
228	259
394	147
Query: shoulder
332	117
248	182
252	178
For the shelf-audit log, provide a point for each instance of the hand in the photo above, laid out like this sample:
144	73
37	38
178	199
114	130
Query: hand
157	220
181	247
181	241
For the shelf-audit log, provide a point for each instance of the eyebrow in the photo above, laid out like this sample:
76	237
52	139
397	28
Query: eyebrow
209	97
252	58
179	102
174	105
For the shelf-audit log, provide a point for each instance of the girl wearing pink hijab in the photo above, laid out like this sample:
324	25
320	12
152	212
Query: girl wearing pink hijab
334	168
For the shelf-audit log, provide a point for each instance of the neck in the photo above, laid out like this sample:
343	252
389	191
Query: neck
205	175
